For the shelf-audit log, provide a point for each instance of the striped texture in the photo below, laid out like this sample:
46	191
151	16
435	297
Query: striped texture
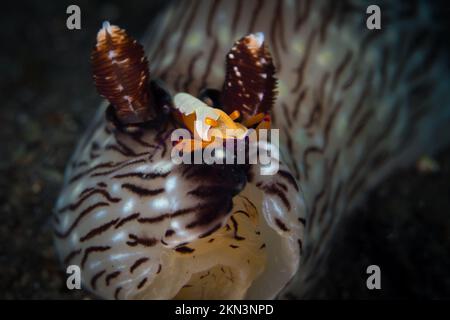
353	105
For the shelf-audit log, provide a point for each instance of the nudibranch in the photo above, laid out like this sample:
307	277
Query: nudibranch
142	227
353	104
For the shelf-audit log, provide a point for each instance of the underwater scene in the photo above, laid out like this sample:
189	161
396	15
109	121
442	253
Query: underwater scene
225	150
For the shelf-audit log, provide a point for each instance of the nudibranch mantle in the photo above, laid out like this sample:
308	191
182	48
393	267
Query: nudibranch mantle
353	106
141	227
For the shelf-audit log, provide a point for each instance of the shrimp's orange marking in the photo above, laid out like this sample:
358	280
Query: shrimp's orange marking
211	122
254	120
235	114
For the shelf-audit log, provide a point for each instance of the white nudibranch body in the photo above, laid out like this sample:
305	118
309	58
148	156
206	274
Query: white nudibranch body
147	230
352	106
141	226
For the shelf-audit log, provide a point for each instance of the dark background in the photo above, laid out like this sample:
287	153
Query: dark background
47	99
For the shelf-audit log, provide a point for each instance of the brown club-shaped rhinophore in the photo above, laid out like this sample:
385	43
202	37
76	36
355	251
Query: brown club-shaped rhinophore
250	84
121	75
